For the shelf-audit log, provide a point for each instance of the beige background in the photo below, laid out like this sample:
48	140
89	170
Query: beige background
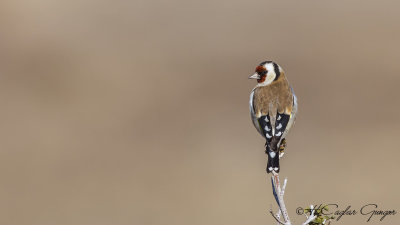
118	112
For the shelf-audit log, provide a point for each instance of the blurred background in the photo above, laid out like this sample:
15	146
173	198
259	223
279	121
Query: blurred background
118	112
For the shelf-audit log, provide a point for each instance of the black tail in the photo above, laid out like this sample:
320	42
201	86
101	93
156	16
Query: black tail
273	162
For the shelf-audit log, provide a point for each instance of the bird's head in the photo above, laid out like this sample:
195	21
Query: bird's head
266	73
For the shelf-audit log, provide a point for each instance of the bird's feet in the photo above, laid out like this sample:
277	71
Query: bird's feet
282	147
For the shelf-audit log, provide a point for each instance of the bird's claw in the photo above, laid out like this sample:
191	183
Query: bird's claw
282	146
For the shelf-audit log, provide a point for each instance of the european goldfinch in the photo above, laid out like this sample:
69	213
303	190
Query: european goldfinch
273	107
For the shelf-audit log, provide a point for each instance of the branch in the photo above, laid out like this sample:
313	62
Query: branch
278	193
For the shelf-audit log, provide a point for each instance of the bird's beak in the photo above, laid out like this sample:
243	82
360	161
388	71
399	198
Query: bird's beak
254	76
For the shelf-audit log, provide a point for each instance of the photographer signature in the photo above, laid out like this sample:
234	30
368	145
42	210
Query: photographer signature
369	210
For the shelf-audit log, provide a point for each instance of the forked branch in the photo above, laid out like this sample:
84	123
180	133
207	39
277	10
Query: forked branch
278	193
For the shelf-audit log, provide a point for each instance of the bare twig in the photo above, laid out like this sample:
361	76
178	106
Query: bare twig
277	219
278	193
278	215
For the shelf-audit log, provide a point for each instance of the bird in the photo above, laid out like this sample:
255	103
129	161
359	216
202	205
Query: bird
273	108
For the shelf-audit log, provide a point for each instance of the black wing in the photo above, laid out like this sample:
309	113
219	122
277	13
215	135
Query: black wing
281	123
266	128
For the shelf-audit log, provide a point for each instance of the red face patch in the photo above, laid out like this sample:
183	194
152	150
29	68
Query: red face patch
260	70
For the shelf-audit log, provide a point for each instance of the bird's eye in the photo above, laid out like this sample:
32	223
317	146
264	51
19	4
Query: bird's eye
263	73
260	70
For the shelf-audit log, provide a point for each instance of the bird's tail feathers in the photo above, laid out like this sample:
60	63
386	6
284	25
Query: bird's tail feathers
273	162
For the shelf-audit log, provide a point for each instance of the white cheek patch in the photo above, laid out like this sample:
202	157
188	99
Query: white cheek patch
271	75
270	169
279	117
266	119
